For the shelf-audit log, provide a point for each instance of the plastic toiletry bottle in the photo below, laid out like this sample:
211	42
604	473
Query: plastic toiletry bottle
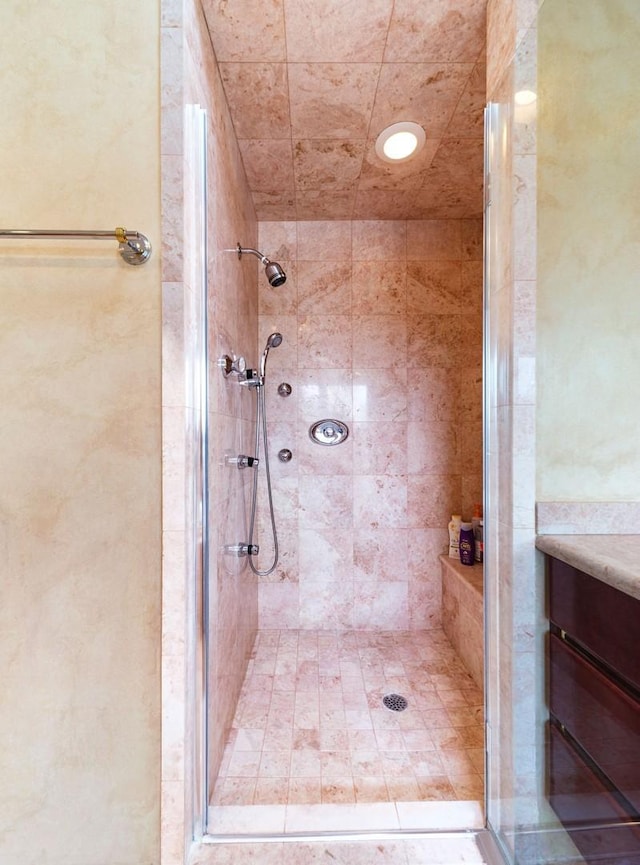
478	536
467	544
477	516
454	536
476	522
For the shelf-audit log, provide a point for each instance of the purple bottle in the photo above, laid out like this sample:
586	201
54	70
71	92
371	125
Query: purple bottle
467	544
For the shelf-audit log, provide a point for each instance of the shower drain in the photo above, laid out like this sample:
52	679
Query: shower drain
395	702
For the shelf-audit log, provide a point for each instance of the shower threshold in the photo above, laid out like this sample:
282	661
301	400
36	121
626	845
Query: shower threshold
281	820
474	847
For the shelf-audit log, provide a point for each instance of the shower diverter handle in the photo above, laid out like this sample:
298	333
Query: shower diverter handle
328	432
250	378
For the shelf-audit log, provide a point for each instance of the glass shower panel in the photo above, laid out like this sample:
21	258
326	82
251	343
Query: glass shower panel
495	367
197	414
517	809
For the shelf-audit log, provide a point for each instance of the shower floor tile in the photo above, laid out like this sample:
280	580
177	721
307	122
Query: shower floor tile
311	728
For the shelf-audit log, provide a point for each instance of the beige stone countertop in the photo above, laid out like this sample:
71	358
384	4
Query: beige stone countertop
613	559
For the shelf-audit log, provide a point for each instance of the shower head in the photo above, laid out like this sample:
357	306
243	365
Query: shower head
273	341
275	274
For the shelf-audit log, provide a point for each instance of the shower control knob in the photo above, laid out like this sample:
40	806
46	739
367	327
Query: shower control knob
232	364
241	550
242	461
285	455
284	389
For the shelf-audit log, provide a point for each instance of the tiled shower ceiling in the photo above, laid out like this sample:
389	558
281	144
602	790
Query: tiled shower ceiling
311	83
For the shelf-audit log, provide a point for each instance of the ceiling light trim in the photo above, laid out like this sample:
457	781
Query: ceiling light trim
400	132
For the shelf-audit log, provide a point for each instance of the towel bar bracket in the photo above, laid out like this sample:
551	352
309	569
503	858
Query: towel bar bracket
136	250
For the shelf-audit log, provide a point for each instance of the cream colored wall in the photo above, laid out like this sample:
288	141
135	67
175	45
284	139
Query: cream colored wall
589	225
80	438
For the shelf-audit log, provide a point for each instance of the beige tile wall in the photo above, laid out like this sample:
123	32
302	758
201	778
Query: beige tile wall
463	613
178	646
514	583
382	327
233	321
190	77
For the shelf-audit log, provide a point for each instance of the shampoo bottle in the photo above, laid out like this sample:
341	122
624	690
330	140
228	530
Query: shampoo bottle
479	539
454	536
476	522
467	544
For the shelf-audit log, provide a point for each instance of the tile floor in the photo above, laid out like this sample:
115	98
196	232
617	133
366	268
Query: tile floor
310	726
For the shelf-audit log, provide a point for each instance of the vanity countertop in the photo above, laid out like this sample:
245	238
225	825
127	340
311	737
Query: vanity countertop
613	559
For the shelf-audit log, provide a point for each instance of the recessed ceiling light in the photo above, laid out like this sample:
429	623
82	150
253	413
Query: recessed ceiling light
525	97
400	141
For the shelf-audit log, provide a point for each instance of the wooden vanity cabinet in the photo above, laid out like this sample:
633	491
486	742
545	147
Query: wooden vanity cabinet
593	743
602	619
597	823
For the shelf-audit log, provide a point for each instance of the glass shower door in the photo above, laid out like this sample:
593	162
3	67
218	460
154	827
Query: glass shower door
197	433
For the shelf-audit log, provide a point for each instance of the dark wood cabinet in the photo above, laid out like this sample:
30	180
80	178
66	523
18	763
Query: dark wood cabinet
596	821
593	744
604	620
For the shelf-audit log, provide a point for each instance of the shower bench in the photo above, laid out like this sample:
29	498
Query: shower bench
462	613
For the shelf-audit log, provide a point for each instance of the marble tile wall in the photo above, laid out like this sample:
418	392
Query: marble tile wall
80	458
232	329
190	78
310	86
463	613
587	518
514	582
382	328
508	23
178	645
233	308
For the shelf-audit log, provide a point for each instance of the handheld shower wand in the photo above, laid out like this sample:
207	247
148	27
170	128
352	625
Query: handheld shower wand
273	341
275	274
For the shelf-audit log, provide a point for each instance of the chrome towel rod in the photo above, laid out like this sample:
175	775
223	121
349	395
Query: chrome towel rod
134	247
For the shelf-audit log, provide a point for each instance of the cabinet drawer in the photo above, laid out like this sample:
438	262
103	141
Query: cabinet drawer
600	716
597	824
600	617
